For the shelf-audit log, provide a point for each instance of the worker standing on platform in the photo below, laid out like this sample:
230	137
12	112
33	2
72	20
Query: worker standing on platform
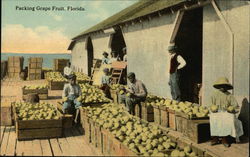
67	70
134	94
113	58
176	63
223	121
105	59
71	92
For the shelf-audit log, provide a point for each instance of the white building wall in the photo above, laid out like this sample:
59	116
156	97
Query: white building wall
100	44
147	44
79	56
218	57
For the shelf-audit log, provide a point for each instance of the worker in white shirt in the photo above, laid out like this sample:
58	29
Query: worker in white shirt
124	50
71	92
67	70
113	58
176	63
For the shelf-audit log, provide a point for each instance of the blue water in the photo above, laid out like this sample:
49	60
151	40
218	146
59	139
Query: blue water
47	58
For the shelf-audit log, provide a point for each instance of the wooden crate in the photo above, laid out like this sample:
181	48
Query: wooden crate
6	114
125	151
106	142
4	68
15	61
98	135
172	121
35	59
164	116
32	129
14	70
56	85
179	123
59	64
67	119
34	76
13	75
147	112
87	130
157	115
42	93
41	97
115	146
92	132
35	65
82	81
138	110
198	130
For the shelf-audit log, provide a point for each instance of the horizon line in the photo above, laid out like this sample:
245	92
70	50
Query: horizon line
34	53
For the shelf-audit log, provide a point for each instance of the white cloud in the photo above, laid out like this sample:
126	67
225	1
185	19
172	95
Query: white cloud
20	39
55	17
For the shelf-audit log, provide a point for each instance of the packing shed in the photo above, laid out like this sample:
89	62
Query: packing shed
212	35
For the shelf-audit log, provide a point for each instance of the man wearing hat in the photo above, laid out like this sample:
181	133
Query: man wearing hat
134	94
105	82
71	92
105	59
176	63
222	122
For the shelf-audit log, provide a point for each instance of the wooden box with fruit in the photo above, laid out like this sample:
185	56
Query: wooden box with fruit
127	135
40	120
82	78
92	96
55	80
41	90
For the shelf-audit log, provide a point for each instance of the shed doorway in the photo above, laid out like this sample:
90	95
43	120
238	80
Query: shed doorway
117	43
90	55
189	42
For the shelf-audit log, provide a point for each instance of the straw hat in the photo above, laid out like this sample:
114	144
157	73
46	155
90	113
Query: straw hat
222	83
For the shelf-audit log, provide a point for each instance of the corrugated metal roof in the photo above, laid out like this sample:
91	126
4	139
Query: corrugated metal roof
141	8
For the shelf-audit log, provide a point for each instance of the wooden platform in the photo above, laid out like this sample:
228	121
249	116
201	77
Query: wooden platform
71	144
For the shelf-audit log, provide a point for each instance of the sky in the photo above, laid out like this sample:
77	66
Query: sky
39	26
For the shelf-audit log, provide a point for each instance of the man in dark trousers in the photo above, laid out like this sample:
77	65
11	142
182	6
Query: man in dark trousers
176	63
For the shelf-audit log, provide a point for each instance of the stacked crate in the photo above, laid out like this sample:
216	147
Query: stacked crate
3	68
35	68
59	64
15	66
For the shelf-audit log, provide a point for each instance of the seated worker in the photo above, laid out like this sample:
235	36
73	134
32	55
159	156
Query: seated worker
71	91
105	82
67	70
105	59
224	123
135	93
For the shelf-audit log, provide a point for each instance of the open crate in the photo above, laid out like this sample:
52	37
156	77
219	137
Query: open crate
32	129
